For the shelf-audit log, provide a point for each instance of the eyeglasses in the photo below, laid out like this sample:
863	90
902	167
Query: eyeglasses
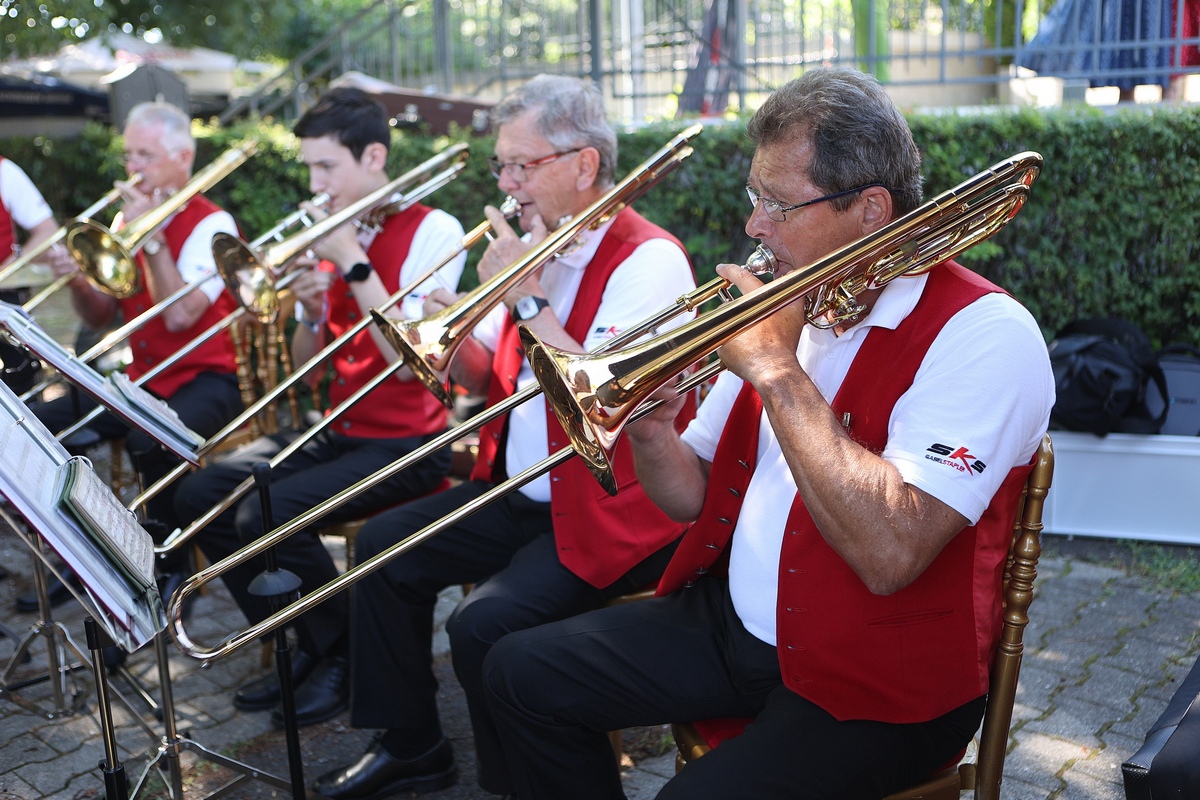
518	171
777	213
142	157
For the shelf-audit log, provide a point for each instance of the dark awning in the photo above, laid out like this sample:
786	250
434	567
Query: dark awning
43	96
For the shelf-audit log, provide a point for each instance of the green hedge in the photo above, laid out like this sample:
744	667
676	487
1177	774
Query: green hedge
1110	229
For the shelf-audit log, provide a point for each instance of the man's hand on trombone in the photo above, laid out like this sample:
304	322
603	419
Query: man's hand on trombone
506	248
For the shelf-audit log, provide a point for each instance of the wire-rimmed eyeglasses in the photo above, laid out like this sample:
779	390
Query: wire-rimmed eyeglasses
517	171
778	213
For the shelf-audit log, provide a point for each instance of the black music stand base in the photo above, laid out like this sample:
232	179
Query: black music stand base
167	762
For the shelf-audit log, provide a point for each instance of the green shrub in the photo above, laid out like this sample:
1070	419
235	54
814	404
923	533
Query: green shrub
1110	229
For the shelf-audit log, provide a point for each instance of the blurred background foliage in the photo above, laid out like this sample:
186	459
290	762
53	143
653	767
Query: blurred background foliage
1111	228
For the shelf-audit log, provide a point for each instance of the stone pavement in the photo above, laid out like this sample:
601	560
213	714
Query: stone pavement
1104	652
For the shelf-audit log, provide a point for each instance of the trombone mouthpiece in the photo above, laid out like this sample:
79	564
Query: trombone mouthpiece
761	261
511	207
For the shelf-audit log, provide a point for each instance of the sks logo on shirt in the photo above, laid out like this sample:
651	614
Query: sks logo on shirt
608	333
957	457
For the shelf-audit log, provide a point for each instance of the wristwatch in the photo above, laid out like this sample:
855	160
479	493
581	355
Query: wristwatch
528	307
358	272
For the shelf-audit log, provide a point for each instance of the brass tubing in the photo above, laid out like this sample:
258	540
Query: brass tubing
510	207
592	395
360	571
427	345
31	255
762	260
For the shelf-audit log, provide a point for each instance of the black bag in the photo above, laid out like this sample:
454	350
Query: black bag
1102	371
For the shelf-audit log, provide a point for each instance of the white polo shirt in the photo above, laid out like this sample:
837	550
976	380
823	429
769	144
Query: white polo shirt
985	384
651	278
22	199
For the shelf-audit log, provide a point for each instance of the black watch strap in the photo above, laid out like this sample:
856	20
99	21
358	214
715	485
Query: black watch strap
359	272
529	307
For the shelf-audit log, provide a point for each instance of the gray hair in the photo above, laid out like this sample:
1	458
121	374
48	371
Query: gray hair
858	135
176	125
569	113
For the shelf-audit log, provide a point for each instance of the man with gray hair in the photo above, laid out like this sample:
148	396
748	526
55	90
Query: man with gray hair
202	387
559	545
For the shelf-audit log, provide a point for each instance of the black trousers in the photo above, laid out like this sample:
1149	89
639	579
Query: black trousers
508	551
320	469
555	690
204	405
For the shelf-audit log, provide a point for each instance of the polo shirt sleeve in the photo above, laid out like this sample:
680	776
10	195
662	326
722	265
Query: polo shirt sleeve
22	199
437	235
196	256
978	406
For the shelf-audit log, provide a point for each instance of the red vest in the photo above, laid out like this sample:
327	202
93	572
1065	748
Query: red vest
599	537
905	657
393	409
152	342
8	231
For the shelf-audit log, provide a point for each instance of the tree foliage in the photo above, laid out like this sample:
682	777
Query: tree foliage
254	29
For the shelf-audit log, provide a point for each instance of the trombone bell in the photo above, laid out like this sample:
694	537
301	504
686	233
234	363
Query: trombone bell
248	280
104	260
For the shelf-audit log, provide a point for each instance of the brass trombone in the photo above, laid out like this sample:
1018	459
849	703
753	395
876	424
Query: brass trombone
593	395
106	260
251	271
32	254
427	345
106	257
509	208
918	241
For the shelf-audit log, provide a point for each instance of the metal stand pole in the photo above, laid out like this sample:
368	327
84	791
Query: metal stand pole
115	787
280	587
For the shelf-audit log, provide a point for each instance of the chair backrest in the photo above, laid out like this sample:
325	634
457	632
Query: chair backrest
987	772
261	356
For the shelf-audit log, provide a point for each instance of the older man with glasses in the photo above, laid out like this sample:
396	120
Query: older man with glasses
202	387
557	546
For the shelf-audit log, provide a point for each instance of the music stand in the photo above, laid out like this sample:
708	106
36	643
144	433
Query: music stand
120	595
125	400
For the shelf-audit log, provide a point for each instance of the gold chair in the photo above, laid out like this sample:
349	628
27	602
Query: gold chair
983	775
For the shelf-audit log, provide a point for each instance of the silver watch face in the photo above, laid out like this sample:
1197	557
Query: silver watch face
528	307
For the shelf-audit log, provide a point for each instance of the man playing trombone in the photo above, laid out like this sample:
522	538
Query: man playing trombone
558	546
851	489
202	388
344	142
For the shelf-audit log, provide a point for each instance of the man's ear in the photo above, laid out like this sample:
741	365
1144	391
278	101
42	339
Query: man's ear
374	156
876	208
588	165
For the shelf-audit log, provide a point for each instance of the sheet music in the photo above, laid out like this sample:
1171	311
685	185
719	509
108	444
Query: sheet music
112	524
148	417
32	467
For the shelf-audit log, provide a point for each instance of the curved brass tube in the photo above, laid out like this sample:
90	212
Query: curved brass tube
427	345
251	272
106	257
31	255
593	395
510	208
282	617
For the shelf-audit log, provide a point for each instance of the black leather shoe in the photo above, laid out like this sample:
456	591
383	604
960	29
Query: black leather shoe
378	774
56	593
263	692
323	696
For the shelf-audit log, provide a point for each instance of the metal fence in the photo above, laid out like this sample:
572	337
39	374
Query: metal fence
656	57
